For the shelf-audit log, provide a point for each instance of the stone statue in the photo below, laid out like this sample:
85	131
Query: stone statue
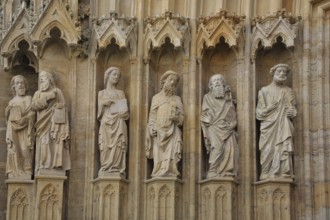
276	108
112	113
19	137
218	120
52	126
163	139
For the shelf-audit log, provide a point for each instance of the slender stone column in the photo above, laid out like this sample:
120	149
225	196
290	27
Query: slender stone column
218	199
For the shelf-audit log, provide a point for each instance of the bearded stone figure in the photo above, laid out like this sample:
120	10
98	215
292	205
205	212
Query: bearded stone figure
218	120
112	113
163	139
276	108
52	126
19	136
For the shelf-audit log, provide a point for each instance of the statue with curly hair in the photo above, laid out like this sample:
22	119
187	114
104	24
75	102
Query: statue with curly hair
52	126
276	108
164	139
218	120
20	133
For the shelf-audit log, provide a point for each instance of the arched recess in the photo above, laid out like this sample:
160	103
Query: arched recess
223	60
22	61
113	56
274	40
167	57
265	59
55	58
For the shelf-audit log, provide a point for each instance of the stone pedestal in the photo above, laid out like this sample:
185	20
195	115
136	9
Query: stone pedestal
274	199
163	198
218	199
49	197
110	198
20	199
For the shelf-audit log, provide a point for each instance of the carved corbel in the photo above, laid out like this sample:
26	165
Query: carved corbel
121	30
212	28
171	26
267	30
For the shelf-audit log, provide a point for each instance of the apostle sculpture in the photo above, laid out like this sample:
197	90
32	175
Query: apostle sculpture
163	139
112	113
19	136
218	120
276	108
52	126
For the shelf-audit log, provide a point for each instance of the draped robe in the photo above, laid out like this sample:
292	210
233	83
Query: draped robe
165	148
20	137
276	131
113	138
52	131
220	137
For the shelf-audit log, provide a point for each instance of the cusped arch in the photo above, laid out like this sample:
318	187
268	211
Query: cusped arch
121	29
269	29
55	14
19	198
212	29
158	29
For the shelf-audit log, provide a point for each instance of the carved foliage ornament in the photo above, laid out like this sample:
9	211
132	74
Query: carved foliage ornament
122	29
267	29
212	28
171	26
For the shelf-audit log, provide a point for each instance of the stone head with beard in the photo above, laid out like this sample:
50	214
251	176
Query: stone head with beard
168	82
19	85
218	86
46	81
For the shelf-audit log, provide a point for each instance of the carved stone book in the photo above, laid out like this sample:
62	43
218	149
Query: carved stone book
15	113
59	116
119	106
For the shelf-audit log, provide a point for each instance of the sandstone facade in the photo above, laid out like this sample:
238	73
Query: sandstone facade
78	40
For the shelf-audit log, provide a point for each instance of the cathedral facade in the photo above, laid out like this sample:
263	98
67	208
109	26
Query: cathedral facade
70	47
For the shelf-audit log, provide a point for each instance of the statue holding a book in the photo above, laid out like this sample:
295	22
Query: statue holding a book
112	114
52	127
19	136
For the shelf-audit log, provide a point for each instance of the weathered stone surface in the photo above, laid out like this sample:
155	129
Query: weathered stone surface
79	40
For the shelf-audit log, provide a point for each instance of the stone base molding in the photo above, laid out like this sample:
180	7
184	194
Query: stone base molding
274	199
49	197
20	199
164	198
110	198
218	199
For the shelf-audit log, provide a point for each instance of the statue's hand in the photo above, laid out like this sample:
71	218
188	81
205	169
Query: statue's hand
175	119
108	102
272	106
22	121
291	112
153	132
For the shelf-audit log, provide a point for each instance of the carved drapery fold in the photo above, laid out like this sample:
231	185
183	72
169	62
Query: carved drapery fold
212	28
266	30
171	26
121	29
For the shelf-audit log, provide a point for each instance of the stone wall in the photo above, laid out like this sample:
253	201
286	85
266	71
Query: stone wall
144	38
